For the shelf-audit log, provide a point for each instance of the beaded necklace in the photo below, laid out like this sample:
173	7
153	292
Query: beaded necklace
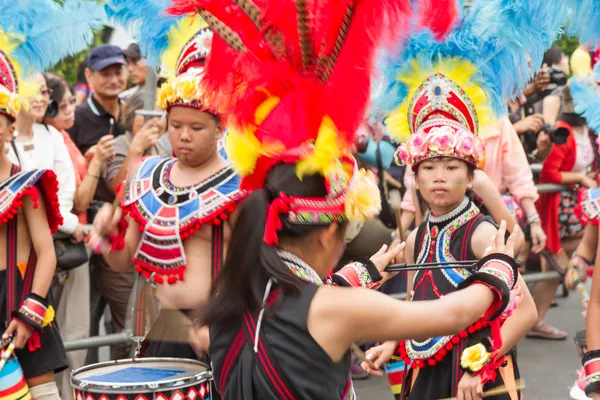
300	268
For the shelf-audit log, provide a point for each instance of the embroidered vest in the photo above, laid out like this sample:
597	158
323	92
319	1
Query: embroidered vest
167	215
443	239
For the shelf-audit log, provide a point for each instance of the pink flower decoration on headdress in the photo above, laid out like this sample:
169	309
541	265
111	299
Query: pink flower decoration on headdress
479	149
466	145
418	145
403	155
442	140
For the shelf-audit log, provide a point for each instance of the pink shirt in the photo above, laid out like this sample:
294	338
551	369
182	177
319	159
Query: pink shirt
505	163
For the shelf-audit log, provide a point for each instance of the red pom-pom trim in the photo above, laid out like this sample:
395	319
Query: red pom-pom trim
445	350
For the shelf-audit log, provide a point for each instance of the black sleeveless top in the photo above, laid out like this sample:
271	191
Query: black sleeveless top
292	357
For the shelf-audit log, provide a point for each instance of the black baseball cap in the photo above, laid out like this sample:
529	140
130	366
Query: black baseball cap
104	56
133	52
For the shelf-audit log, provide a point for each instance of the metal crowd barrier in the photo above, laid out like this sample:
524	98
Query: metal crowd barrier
126	336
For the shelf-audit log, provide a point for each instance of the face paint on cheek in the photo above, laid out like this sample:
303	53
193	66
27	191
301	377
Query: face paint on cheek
458	182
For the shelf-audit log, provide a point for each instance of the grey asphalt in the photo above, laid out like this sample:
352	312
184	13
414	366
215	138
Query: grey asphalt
548	367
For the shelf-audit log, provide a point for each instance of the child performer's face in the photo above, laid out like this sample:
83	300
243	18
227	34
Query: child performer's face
443	183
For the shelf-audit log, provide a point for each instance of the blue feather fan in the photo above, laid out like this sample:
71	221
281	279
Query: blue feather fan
146	20
49	32
586	97
500	37
584	21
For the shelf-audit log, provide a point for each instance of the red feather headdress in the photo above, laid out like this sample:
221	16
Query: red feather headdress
293	79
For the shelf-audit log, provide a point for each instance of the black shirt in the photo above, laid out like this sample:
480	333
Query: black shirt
92	122
305	368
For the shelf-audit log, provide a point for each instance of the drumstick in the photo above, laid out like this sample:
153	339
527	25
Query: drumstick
519	385
363	357
6	354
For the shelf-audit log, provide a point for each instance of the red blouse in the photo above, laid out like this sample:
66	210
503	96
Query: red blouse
561	159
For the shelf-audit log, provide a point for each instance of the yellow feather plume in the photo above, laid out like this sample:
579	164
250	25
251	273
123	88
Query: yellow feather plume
178	36
325	158
459	70
243	149
14	102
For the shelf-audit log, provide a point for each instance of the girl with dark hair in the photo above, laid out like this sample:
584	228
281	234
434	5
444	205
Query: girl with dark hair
275	330
73	307
61	115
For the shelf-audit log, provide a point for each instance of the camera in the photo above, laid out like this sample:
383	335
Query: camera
557	135
557	79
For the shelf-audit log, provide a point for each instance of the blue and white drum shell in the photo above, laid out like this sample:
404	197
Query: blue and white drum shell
143	379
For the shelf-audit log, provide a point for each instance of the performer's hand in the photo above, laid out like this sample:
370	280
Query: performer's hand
106	222
469	388
21	331
499	246
385	256
379	355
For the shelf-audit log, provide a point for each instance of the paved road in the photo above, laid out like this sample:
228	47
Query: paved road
548	368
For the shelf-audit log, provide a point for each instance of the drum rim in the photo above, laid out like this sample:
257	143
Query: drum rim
77	384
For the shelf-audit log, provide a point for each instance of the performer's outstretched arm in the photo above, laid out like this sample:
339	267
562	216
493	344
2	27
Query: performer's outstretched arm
350	315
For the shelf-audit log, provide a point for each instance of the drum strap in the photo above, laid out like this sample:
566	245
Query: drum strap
217	250
14	297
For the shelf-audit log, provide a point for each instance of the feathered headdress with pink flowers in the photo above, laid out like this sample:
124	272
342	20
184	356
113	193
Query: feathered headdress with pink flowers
439	92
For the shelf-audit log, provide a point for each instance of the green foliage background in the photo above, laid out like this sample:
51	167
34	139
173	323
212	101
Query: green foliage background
68	67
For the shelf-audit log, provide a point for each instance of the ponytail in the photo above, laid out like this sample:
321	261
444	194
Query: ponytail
250	263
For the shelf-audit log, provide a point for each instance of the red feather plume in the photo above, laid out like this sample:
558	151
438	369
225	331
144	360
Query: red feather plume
438	15
316	56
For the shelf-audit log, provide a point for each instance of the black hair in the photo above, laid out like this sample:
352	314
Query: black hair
250	262
58	86
132	104
553	56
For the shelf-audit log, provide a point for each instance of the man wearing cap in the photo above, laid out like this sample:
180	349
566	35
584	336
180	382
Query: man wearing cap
136	67
99	116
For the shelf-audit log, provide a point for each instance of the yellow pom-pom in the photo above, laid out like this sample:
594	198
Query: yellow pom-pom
363	202
165	95
49	317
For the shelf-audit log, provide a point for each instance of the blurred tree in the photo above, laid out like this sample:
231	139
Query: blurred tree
69	66
568	43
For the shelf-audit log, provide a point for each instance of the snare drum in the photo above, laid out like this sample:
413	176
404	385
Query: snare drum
143	379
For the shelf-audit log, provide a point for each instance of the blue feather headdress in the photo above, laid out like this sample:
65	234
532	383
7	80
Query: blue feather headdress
147	22
46	32
586	98
35	35
584	21
490	51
